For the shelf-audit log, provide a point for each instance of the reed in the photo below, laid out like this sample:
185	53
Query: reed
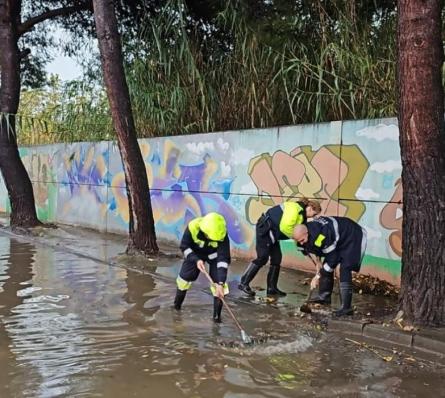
182	83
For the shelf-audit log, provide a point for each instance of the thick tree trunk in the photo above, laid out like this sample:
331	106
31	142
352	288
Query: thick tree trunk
422	143
141	228
18	184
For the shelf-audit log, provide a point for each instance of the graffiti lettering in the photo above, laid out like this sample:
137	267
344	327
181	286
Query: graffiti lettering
315	174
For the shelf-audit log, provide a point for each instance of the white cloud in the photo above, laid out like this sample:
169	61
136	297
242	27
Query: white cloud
200	148
250	188
241	156
225	169
366	194
373	233
380	132
223	146
386	167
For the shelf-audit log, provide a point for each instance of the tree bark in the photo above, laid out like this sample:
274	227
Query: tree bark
18	184
142	234
422	143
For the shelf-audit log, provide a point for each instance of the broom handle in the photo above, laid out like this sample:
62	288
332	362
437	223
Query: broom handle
223	301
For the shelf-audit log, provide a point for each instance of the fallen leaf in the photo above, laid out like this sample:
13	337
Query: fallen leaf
285	377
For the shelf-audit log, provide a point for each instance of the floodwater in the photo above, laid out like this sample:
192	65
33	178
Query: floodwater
75	327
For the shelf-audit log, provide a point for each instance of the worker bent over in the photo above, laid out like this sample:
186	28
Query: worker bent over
339	240
205	240
277	224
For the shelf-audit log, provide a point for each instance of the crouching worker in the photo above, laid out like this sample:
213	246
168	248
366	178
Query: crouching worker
338	240
276	224
205	240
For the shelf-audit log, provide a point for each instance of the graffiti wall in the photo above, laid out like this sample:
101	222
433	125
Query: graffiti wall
352	167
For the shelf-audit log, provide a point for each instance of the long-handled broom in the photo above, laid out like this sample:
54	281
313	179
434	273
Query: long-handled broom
244	336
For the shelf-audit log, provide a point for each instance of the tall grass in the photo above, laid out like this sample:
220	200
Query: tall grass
73	111
178	89
182	83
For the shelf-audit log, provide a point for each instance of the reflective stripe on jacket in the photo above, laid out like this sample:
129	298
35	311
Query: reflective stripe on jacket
195	246
337	239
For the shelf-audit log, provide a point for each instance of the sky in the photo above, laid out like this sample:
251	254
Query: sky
66	67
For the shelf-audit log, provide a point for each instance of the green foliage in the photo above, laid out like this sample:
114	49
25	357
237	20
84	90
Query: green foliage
345	71
239	64
74	111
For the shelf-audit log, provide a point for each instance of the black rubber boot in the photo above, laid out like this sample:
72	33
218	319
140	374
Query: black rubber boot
247	277
272	281
179	299
325	287
217	307
346	300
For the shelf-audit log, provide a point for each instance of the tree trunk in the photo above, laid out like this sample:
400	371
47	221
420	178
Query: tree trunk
141	227
18	184
422	143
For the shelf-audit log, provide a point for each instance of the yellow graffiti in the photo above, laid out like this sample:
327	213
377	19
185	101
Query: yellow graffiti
322	174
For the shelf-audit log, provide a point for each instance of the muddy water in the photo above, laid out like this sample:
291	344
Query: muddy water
73	327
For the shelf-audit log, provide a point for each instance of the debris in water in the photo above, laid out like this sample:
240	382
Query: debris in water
267	300
240	344
285	377
306	308
387	358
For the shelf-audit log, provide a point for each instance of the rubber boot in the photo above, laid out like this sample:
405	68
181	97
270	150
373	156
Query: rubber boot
179	299
217	307
272	281
247	277
346	300
325	287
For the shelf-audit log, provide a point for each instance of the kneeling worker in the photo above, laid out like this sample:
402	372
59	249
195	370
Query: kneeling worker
205	240
339	240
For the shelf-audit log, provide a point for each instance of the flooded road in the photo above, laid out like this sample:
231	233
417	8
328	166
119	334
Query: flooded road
76	327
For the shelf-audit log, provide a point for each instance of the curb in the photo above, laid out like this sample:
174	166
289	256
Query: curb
419	341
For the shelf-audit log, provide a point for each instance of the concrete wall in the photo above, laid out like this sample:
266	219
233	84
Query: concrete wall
353	166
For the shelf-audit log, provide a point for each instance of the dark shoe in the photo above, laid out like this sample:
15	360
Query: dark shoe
346	299
276	292
217	307
247	277
246	289
272	281
179	299
343	312
325	287
321	298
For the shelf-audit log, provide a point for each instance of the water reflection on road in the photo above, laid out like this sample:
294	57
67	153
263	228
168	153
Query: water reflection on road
76	327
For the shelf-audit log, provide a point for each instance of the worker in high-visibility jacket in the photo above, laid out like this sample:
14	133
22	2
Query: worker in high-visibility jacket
205	240
339	241
276	224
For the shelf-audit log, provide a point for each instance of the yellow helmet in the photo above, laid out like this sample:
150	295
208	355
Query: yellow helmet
214	226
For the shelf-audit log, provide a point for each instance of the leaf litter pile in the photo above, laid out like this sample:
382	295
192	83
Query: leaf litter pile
367	284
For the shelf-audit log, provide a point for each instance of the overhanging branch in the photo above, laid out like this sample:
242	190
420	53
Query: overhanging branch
30	23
